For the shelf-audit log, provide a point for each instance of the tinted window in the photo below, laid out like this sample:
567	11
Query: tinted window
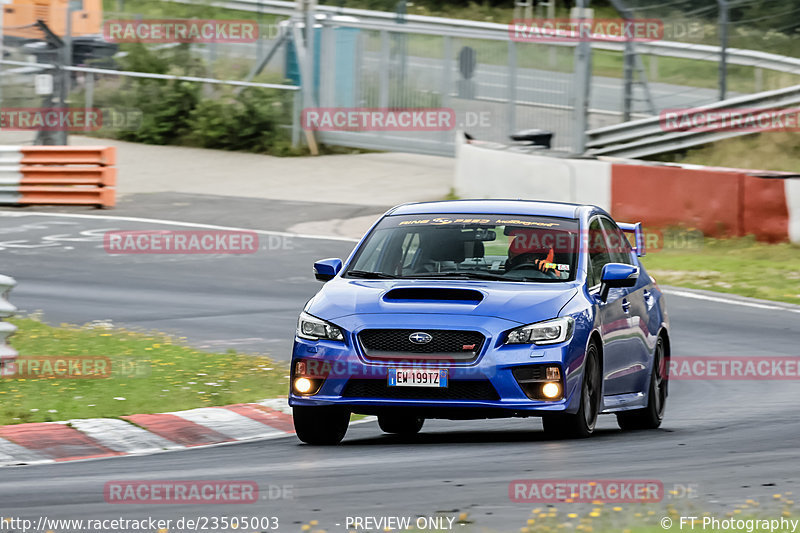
503	247
599	254
618	243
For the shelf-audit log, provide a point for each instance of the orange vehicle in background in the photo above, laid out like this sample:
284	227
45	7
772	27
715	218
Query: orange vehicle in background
20	15
86	29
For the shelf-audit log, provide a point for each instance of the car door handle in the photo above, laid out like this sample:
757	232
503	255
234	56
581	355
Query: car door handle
626	306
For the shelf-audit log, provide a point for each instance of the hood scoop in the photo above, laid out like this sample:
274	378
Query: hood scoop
434	294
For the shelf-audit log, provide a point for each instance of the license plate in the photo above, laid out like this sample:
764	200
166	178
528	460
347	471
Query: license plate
401	377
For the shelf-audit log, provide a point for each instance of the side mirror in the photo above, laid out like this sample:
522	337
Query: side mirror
616	275
326	269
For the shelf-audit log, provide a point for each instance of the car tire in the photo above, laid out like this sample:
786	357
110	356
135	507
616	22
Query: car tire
582	423
650	417
320	426
400	424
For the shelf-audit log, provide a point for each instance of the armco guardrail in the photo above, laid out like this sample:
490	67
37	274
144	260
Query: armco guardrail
488	30
60	175
7	353
640	138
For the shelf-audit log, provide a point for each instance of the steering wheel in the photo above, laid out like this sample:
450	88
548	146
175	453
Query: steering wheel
532	266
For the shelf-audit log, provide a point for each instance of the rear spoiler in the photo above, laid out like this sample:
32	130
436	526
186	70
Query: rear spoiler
638	236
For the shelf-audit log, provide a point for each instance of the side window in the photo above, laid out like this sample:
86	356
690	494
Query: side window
619	245
599	254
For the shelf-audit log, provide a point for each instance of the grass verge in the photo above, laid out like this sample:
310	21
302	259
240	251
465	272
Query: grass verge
739	266
150	373
610	517
775	150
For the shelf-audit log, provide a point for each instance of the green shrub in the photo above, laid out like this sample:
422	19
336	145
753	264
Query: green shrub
253	121
188	113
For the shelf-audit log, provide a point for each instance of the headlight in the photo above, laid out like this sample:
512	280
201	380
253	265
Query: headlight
312	328
547	332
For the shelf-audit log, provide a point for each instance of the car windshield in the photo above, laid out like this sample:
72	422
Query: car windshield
479	246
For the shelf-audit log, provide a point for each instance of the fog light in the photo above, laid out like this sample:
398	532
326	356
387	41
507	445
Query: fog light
550	390
303	385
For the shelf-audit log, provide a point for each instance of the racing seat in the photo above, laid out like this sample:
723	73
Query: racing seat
449	252
440	249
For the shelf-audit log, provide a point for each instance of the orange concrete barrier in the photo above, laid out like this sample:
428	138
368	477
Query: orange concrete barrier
720	202
33	195
41	175
662	196
60	175
69	155
765	211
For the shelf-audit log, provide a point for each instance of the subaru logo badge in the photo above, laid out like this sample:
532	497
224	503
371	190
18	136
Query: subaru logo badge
420	337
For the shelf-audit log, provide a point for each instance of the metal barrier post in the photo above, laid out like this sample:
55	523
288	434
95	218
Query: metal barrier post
724	20
7	354
512	87
383	77
447	80
583	78
297	105
88	97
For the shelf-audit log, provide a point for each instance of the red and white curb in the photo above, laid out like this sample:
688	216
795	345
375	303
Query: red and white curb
50	442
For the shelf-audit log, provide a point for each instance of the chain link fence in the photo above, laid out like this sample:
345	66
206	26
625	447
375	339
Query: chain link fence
494	85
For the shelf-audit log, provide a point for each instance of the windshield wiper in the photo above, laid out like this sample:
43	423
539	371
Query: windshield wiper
464	274
370	275
475	275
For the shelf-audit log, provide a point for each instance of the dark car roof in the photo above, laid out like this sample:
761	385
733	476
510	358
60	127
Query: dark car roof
497	207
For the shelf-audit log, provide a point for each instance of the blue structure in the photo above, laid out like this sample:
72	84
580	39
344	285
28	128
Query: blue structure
344	54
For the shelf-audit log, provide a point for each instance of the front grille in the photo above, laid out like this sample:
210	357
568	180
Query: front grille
455	345
457	390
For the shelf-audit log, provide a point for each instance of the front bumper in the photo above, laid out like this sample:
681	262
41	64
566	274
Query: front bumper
487	386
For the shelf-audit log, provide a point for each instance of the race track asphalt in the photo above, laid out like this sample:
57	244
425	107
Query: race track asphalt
727	441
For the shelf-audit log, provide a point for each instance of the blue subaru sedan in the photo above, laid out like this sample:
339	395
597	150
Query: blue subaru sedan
478	309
